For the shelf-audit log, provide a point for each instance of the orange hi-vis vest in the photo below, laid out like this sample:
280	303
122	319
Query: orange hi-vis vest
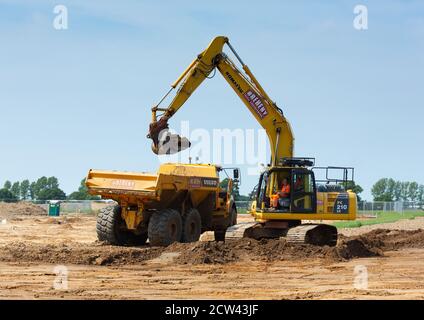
274	198
285	189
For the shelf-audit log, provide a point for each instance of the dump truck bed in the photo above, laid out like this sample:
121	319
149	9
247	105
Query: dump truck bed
110	183
170	181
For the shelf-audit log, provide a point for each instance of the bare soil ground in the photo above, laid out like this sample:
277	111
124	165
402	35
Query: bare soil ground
33	245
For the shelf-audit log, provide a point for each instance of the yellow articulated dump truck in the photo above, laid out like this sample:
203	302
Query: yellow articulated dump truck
176	204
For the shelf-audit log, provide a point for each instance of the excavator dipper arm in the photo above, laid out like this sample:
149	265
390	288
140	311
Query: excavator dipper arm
244	84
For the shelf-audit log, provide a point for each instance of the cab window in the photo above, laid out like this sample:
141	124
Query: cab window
303	195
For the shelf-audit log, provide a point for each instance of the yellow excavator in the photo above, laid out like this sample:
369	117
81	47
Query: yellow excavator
276	214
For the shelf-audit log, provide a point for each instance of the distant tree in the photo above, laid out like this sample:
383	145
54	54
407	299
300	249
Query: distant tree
236	191
46	189
51	194
32	190
413	191
380	190
24	189
404	190
391	189
6	195
82	193
40	184
16	190
7	185
420	195
52	183
398	191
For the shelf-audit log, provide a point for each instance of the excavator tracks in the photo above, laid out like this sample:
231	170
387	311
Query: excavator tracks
240	230
237	231
316	234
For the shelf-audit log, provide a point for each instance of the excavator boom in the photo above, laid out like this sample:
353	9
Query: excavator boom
245	85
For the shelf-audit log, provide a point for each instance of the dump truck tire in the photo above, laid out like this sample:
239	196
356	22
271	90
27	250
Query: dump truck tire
165	227
109	228
192	226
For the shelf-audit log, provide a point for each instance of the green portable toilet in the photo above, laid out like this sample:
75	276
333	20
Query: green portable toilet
54	208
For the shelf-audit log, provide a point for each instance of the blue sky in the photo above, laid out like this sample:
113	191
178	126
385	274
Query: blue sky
80	98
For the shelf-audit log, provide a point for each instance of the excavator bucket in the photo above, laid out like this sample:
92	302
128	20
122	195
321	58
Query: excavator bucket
165	142
170	143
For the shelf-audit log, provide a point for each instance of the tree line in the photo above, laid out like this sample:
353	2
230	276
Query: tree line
387	189
47	188
44	188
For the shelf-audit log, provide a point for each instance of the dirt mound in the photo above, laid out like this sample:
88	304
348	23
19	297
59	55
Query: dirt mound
186	253
355	248
370	244
268	250
394	239
77	253
21	208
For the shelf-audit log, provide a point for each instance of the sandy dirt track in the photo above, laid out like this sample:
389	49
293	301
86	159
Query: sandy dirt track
32	246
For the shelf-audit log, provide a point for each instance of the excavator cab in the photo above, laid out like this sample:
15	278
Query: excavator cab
301	198
327	194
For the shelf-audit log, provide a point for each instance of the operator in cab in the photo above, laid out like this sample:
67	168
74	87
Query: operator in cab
282	199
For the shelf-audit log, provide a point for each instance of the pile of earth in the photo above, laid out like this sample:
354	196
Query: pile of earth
77	253
22	208
269	250
371	244
387	239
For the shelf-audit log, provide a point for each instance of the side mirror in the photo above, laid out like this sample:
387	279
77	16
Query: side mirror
236	174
